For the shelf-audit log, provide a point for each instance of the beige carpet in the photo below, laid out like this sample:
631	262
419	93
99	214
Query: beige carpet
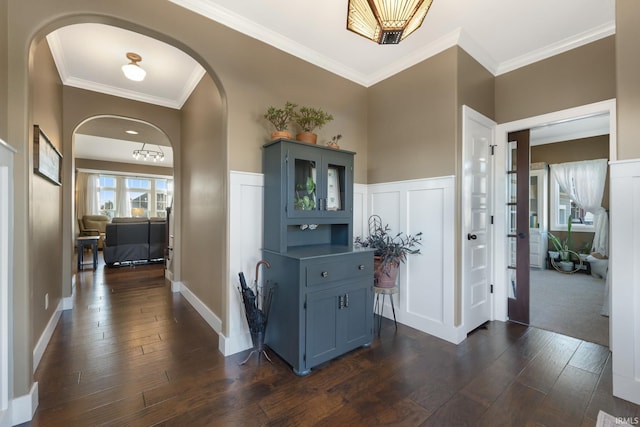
569	304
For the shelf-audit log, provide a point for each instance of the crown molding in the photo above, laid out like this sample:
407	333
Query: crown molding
58	55
562	46
123	93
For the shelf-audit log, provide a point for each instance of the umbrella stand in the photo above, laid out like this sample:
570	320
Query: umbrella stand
256	309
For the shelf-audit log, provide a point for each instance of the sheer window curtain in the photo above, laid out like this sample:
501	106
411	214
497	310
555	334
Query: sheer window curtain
584	183
87	194
123	204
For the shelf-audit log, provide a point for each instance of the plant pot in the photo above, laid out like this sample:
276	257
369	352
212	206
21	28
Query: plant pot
334	146
280	134
384	277
554	255
566	265
308	137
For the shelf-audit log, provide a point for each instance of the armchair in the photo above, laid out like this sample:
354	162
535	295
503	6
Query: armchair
94	225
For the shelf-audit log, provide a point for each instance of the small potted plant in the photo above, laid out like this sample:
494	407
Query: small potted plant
334	142
389	252
309	119
280	119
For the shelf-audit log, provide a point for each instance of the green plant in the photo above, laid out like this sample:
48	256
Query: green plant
281	117
305	195
563	246
392	249
309	118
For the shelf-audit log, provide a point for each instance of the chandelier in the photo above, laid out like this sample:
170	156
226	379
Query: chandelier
146	154
386	21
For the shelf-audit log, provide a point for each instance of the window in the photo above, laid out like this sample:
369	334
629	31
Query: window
563	208
148	197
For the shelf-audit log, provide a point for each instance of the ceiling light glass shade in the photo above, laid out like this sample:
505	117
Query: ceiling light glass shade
386	21
132	70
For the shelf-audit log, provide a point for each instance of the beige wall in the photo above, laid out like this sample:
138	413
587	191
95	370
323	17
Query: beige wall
412	122
3	69
628	89
204	197
129	168
45	200
581	76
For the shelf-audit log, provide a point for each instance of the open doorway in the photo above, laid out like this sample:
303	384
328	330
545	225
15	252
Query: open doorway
567	297
501	265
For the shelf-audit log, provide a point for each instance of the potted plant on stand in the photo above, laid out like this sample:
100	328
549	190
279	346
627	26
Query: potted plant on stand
389	252
309	119
280	119
562	247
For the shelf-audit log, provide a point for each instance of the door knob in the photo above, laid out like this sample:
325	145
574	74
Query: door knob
471	236
522	235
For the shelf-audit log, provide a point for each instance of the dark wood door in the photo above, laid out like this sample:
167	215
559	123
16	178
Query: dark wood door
518	234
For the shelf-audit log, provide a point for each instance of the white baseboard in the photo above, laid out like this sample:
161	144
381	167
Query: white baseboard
41	346
23	407
209	316
626	388
67	302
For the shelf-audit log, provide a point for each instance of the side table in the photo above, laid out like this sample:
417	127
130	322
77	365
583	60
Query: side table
87	241
384	292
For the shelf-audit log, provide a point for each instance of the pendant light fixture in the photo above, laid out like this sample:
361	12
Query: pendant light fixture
132	70
386	21
145	154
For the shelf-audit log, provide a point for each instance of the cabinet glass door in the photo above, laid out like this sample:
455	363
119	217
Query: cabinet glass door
320	183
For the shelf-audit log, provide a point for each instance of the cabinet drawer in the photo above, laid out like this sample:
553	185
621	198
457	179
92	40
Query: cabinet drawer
351	267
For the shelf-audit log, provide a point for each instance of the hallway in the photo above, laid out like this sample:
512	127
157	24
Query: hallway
132	353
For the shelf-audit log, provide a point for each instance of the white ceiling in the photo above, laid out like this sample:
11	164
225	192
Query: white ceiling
502	35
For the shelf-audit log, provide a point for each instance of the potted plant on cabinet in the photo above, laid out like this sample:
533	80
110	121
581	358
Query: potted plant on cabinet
309	119
280	119
389	252
334	142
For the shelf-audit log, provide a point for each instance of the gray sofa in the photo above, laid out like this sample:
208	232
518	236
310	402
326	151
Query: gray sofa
135	240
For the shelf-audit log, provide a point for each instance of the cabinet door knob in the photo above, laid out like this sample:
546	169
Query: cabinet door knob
324	274
361	267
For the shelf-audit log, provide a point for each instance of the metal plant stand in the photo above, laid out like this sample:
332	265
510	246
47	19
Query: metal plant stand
256	309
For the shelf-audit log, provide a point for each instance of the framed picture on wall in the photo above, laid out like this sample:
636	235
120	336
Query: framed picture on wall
47	160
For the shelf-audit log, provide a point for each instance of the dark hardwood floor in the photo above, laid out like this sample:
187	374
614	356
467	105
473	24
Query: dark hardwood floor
131	353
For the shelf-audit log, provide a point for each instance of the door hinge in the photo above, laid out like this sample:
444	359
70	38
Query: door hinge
493	146
491	219
490	288
304	357
305	305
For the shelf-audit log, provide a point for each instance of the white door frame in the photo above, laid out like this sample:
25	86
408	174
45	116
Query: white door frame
500	226
6	283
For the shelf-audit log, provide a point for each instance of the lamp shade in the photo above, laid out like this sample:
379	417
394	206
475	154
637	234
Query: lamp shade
386	21
132	70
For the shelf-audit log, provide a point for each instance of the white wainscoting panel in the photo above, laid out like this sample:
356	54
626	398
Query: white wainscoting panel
360	218
625	279
245	250
426	281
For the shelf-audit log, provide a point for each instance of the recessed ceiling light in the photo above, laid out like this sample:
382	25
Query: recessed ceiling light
132	132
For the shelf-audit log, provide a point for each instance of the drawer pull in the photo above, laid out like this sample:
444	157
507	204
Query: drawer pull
324	274
361	267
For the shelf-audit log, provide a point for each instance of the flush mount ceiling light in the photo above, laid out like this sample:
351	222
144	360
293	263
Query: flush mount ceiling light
132	70
146	154
386	21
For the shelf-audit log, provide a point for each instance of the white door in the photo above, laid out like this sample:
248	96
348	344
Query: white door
478	137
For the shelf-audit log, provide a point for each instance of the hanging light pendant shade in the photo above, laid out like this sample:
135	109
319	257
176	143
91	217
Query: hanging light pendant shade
132	70
386	21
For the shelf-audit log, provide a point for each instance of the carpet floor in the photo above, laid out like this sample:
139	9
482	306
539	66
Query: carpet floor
569	304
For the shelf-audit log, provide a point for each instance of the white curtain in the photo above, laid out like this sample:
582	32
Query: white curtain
123	204
92	201
87	202
584	183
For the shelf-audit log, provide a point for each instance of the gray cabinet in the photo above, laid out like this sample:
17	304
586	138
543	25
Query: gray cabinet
322	305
